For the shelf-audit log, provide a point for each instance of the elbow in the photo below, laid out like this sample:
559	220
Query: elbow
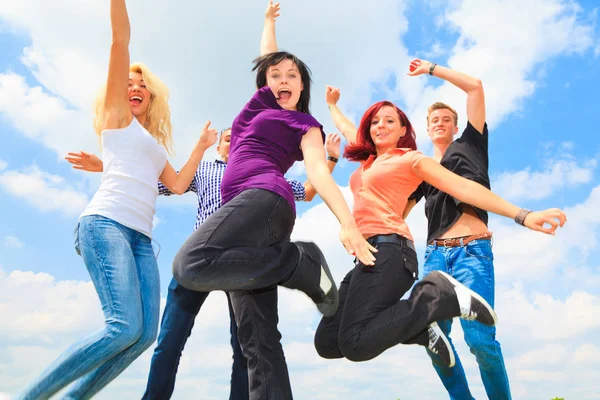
309	197
477	85
178	191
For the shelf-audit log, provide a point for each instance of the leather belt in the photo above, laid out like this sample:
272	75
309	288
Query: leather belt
462	241
391	238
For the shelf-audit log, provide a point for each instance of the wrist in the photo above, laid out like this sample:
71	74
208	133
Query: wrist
521	215
431	68
332	158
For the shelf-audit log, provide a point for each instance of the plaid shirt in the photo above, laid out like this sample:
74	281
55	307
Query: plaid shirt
207	185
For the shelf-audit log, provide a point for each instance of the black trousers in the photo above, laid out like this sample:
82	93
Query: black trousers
372	318
245	248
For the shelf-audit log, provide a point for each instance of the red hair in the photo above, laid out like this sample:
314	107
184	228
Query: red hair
364	147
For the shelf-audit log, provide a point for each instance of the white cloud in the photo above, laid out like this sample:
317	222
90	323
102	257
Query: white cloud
3	165
14	242
44	191
536	185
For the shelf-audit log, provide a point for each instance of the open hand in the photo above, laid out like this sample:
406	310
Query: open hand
208	136
356	245
85	161
537	220
332	145
272	10
418	67
332	95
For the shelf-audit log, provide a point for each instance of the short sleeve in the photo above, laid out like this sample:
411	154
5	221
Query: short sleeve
418	194
301	123
297	189
474	137
415	157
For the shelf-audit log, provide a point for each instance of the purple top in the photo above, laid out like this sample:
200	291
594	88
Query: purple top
265	143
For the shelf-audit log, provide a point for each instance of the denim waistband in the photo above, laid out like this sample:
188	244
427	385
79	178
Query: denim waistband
391	238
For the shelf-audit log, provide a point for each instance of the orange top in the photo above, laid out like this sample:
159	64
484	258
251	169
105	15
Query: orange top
381	187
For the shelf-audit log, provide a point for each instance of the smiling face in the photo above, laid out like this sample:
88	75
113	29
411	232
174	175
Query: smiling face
285	82
139	96
386	129
441	126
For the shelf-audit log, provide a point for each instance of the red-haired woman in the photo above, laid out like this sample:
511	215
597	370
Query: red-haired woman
371	317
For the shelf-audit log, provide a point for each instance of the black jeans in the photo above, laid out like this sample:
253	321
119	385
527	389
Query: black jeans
244	248
371	317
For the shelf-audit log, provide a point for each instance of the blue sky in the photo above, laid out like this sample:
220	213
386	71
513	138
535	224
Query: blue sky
541	78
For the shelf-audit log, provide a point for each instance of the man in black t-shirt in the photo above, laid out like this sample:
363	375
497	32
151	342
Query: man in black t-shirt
458	239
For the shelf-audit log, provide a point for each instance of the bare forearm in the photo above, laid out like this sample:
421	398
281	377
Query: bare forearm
268	40
343	124
458	79
119	20
309	190
186	174
326	187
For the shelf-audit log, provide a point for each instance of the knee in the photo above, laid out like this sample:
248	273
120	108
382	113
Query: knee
123	334
147	338
484	347
327	345
353	352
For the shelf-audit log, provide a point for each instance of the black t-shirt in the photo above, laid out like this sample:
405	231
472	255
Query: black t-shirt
468	157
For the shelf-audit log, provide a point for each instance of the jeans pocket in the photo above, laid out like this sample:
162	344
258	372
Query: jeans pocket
281	221
76	244
480	249
410	262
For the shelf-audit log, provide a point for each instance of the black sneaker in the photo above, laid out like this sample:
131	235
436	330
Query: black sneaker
439	344
328	299
473	307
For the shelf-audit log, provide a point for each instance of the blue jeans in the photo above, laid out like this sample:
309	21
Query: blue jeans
178	318
472	265
124	271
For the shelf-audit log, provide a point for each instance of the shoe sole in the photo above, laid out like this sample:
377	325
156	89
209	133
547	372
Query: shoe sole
328	310
473	294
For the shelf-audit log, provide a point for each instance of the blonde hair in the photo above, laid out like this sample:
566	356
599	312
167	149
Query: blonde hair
442	106
158	115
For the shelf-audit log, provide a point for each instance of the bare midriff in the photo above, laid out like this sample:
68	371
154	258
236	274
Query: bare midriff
468	224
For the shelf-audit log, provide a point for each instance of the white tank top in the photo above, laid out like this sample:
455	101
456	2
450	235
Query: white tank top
133	161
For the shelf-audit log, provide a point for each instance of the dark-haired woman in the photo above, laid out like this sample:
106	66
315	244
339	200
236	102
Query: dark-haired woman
245	247
371	317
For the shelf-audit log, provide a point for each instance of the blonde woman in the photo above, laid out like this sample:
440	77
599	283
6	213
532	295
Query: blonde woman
114	231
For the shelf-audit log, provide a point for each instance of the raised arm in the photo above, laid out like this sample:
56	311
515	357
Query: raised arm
268	40
472	86
117	113
332	146
321	179
473	193
344	125
178	183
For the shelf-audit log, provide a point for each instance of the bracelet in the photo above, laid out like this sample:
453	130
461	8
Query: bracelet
520	217
433	65
331	158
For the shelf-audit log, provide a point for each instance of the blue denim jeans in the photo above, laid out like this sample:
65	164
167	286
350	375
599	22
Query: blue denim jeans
124	271
178	319
473	266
